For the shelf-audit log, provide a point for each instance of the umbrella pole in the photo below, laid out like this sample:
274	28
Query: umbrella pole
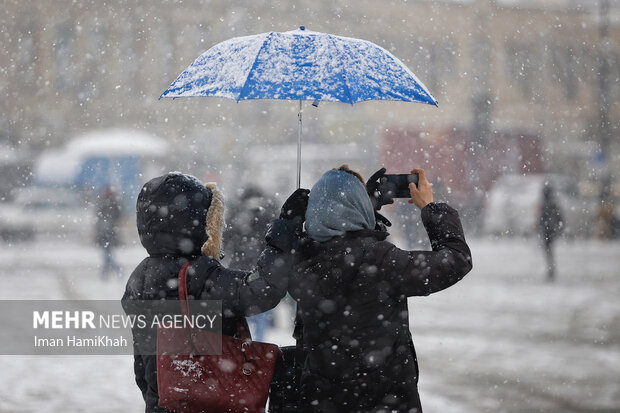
299	148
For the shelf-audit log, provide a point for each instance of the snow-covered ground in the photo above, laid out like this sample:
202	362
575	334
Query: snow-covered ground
502	340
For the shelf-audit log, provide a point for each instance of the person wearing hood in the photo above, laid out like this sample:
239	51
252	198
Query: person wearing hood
180	219
351	286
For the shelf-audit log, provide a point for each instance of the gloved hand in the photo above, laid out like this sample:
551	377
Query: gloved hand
296	204
372	187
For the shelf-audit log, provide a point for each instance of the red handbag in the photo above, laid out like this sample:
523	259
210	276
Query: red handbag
190	379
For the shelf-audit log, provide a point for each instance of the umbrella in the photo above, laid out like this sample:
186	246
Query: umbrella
299	65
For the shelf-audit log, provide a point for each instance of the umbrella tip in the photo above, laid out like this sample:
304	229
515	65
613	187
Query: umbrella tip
302	27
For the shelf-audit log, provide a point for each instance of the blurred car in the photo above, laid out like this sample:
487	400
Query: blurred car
56	212
514	202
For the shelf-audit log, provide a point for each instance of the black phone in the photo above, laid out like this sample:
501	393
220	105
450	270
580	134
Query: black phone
397	186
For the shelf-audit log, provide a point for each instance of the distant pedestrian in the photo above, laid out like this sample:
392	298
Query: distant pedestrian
247	223
603	220
605	223
249	219
550	226
106	230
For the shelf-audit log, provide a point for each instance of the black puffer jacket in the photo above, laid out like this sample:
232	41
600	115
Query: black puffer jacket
172	213
352	291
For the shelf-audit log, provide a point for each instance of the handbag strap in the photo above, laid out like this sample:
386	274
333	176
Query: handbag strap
184	300
183	296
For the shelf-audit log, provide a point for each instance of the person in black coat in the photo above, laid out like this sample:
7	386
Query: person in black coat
180	219
352	285
249	218
550	226
247	221
106	230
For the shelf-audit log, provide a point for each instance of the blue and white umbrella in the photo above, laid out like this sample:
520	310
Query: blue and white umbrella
299	65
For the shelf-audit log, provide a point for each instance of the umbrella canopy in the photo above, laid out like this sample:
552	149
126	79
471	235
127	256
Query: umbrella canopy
299	65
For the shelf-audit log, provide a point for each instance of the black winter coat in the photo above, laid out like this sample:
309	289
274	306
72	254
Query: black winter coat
108	216
352	292
242	294
550	222
172	216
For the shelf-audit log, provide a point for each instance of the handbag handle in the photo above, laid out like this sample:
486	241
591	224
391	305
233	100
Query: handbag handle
184	300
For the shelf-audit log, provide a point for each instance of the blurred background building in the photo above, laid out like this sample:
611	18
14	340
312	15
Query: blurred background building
524	86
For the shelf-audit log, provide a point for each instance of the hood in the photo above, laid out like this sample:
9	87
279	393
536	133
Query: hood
179	215
338	203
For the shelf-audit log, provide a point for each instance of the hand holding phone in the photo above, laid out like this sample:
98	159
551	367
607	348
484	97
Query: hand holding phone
397	186
422	192
372	186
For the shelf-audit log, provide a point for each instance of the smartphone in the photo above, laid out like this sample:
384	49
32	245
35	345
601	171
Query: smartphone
397	186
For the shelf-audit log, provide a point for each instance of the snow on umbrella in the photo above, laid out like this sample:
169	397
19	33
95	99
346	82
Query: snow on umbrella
299	65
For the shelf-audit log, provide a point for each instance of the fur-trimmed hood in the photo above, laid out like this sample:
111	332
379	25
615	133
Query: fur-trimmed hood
179	215
215	224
